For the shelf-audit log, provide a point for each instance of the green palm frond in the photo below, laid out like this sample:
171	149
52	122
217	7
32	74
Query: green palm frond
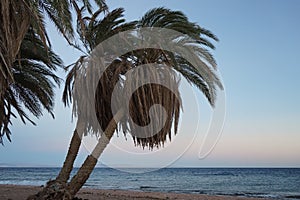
59	13
176	20
34	83
99	30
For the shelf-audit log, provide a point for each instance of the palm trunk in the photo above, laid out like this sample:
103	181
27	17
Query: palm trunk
67	168
75	143
57	188
89	164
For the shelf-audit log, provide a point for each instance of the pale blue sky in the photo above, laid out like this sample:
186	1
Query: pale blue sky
257	56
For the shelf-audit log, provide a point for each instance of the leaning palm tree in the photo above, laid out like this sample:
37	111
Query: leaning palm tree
34	82
92	29
202	75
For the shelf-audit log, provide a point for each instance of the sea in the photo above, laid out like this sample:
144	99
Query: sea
274	183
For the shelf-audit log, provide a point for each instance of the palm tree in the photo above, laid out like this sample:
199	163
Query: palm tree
202	76
92	30
16	17
34	82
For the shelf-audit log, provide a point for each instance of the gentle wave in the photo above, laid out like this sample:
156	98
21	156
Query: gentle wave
259	183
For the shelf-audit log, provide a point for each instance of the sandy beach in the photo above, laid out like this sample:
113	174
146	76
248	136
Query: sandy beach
20	192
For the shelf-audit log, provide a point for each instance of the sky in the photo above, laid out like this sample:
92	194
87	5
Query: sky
257	58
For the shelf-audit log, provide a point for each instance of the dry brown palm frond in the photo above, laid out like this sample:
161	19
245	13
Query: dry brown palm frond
145	130
140	113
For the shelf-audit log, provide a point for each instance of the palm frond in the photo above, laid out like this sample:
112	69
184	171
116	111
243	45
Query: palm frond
34	82
112	23
176	20
59	12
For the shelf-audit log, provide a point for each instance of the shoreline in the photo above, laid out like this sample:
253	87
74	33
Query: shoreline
20	192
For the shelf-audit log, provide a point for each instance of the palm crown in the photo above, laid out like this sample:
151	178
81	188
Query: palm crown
202	75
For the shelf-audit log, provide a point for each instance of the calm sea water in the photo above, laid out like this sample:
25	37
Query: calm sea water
253	182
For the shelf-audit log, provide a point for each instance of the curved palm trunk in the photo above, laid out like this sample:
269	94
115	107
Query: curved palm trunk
75	143
67	168
57	188
89	164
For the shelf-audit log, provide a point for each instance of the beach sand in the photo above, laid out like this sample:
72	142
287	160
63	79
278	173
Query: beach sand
20	192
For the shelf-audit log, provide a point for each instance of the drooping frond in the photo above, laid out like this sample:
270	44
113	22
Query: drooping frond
153	108
176	20
34	82
141	106
97	30
202	72
199	70
59	13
